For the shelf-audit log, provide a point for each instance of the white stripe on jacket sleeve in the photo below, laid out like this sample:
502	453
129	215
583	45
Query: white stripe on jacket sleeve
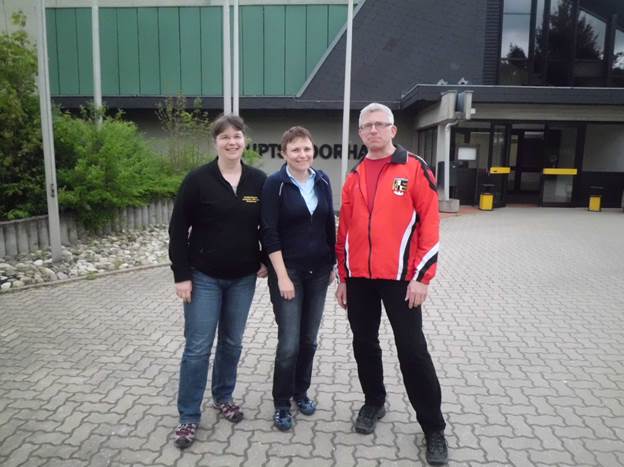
406	236
433	251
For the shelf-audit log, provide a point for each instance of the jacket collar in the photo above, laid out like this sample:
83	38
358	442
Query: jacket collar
399	156
285	178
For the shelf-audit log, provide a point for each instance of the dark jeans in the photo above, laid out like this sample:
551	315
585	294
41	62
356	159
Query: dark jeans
218	307
298	321
364	298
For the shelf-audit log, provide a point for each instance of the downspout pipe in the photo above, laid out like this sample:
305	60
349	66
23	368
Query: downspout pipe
447	158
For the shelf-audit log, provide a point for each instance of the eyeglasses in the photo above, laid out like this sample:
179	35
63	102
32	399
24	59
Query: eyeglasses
379	125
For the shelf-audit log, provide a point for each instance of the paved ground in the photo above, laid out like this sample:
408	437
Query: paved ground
525	323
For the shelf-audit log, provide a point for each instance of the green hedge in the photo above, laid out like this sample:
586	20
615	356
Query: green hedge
100	170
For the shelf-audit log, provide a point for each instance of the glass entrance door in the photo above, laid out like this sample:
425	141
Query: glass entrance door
526	159
559	165
536	162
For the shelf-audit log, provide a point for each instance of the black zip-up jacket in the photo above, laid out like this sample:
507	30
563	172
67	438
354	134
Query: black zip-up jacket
224	237
307	241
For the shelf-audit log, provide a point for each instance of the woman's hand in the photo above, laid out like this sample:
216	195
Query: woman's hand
183	290
286	287
263	271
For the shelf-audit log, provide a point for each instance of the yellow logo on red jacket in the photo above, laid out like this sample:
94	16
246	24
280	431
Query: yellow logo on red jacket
399	186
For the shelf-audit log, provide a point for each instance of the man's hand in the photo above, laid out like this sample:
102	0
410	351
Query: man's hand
416	294
286	287
183	290
263	271
341	295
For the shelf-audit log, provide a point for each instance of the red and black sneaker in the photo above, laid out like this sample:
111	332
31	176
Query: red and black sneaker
185	435
229	410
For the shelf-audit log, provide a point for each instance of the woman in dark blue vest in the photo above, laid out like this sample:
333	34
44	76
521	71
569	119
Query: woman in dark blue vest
298	233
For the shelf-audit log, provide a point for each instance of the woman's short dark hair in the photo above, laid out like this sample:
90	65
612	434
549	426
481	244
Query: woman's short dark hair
227	121
294	133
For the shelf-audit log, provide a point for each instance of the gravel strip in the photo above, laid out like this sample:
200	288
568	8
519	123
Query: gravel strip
87	258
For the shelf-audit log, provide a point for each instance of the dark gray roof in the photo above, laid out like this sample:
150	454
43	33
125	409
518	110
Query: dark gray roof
422	94
399	43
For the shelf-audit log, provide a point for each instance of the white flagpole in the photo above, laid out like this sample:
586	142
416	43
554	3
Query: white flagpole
235	65
347	95
47	135
227	61
97	76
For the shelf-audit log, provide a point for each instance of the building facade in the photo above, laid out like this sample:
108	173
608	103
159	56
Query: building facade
546	78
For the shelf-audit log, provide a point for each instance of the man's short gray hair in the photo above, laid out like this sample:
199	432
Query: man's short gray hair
376	107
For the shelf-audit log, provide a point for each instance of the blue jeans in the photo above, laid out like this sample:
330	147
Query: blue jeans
215	303
298	321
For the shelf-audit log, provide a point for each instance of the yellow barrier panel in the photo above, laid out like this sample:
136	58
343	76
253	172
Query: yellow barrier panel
500	170
486	201
595	203
554	171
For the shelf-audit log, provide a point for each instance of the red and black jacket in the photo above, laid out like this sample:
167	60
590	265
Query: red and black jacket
399	238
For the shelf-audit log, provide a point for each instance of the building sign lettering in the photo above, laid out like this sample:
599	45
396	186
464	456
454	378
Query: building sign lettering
324	151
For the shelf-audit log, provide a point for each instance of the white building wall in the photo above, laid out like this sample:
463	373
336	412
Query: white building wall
604	148
266	127
8	7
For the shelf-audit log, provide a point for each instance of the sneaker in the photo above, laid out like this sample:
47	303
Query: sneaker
229	411
282	419
437	450
185	435
367	418
306	406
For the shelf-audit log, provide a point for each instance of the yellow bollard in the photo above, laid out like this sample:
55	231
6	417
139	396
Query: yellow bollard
595	203
486	201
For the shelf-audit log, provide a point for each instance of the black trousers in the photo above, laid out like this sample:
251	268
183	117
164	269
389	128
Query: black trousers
364	298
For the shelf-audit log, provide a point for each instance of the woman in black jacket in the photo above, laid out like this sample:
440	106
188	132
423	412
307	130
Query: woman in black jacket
215	256
298	233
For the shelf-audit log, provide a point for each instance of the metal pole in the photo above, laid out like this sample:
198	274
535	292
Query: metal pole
47	135
235	65
346	109
97	76
227	62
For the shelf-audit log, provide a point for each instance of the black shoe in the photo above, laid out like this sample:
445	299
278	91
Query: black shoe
367	418
437	450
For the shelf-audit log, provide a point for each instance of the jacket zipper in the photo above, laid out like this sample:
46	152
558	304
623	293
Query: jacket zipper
370	222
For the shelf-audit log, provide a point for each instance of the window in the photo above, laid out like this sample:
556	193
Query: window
515	42
590	37
561	43
590	46
539	44
618	59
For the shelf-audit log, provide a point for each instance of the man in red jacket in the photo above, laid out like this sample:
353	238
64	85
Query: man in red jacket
387	250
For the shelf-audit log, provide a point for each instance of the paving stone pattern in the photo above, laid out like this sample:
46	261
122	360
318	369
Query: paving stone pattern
525	323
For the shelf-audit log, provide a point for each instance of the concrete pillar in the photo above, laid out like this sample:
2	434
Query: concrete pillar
33	237
2	247
22	238
44	235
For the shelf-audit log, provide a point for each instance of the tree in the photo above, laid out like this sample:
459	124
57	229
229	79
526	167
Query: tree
22	179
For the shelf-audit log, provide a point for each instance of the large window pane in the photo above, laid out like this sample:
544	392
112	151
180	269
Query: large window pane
590	37
558	73
561	32
513	72
618	59
539	28
517	6
515	37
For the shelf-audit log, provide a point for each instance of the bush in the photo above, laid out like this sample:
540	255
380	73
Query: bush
107	169
22	176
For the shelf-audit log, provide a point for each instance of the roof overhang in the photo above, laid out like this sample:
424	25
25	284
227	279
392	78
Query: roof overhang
422	94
